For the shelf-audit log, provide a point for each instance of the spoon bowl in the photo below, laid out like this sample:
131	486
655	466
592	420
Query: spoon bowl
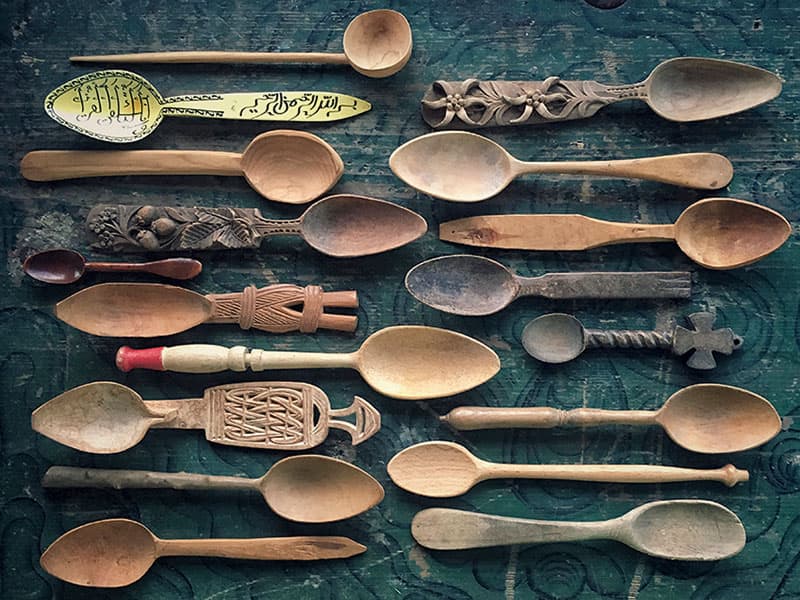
441	469
555	338
378	43
59	266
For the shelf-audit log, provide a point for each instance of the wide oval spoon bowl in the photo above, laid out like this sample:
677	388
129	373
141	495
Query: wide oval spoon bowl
435	469
60	266
378	43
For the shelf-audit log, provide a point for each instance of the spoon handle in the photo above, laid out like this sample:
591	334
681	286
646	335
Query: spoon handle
468	418
219	57
53	165
119	479
473	103
607	285
451	529
173	268
284	548
628	338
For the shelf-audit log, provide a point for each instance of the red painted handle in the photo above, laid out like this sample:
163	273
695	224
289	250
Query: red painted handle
147	358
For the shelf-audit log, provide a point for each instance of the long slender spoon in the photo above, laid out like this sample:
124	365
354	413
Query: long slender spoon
306	488
376	43
407	362
117	552
680	89
716	233
445	470
64	266
120	106
288	166
343	225
465	167
464	284
705	417
671	529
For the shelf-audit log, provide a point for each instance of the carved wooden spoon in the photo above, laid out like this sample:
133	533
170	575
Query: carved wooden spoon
705	417
117	552
466	167
445	470
671	529
288	166
306	488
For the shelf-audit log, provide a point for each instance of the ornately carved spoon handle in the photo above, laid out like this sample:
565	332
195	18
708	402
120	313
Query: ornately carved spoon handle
469	418
628	338
118	479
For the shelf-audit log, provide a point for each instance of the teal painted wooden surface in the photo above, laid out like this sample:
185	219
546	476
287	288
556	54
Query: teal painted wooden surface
41	357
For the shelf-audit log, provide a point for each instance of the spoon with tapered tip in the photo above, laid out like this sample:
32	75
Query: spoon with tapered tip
117	552
63	266
445	470
706	417
697	530
466	167
288	166
307	488
469	285
376	43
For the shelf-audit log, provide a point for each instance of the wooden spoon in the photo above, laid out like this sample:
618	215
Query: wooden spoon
671	529
376	43
705	417
342	225
305	488
117	552
716	233
407	362
445	470
294	167
64	266
466	167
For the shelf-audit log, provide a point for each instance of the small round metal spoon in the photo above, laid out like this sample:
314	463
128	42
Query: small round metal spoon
62	266
307	488
376	43
466	167
288	166
672	529
706	417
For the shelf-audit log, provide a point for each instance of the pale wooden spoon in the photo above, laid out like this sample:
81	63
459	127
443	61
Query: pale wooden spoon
288	166
671	529
376	43
466	167
445	470
117	552
705	417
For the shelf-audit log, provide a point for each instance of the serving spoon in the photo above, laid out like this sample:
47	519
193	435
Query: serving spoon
120	106
407	362
672	529
716	233
464	284
445	470
376	43
307	488
706	417
342	225
117	552
466	167
288	166
62	266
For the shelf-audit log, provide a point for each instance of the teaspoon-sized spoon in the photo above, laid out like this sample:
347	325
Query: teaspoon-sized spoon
672	529
342	225
376	43
706	417
117	552
445	470
288	166
466	167
307	488
62	266
406	362
464	284
716	233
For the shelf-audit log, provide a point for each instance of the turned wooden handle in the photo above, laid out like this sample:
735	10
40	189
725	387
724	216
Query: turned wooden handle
286	548
53	165
468	418
217	56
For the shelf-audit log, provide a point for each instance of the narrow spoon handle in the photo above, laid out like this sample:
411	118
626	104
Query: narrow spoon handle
52	165
119	479
701	170
173	268
567	286
286	548
468	418
450	529
218	56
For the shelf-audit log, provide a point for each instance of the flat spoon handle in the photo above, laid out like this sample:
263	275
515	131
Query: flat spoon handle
468	418
217	56
286	548
52	165
173	268
119	479
701	170
601	285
